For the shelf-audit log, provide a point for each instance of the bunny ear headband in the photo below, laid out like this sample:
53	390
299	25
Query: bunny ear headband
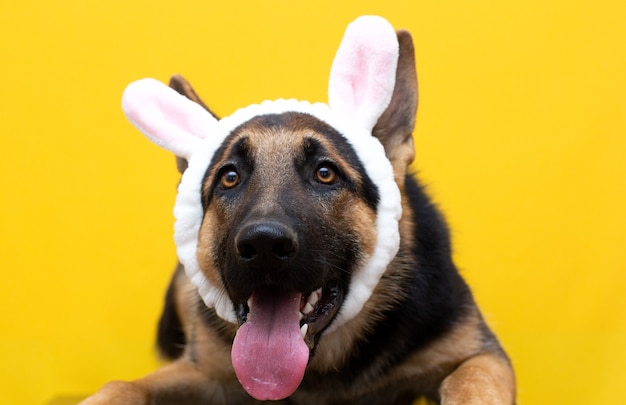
361	84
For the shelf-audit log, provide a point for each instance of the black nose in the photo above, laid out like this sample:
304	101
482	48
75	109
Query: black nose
266	245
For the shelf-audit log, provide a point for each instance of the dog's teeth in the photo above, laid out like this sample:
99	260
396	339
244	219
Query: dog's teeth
303	329
315	297
308	308
301	315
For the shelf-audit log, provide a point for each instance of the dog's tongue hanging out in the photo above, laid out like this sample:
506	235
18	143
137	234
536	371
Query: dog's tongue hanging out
269	354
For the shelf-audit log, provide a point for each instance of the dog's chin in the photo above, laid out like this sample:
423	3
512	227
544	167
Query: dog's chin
278	331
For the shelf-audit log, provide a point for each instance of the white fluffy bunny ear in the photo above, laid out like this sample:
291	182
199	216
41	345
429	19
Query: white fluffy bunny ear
166	117
363	73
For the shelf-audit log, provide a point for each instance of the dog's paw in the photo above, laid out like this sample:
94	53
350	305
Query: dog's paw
118	393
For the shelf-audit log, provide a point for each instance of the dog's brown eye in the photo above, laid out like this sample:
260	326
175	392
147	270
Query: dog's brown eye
326	174
230	179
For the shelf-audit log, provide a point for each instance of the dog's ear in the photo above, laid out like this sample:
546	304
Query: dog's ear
182	86
395	126
167	118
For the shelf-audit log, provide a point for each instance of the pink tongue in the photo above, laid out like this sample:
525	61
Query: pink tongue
269	354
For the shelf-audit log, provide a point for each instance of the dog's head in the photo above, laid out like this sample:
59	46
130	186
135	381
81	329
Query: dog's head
287	215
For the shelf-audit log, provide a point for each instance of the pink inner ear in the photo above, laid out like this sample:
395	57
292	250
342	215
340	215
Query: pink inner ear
357	80
167	118
364	70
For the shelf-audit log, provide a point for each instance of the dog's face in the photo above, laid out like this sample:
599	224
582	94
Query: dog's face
288	208
288	213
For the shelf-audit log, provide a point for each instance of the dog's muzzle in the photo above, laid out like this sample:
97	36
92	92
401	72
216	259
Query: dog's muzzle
283	303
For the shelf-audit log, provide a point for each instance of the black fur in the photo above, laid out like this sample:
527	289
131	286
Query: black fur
171	338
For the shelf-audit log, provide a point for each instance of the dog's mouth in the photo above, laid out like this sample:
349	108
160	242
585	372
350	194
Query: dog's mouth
317	310
278	329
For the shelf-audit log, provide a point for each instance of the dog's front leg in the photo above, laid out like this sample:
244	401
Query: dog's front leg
180	383
484	379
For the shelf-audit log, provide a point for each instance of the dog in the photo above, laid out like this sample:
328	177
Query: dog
314	268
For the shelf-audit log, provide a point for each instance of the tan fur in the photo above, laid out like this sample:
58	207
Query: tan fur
205	248
486	378
355	208
436	361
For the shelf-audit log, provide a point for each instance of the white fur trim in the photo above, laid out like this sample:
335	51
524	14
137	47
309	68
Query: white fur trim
363	73
166	117
188	209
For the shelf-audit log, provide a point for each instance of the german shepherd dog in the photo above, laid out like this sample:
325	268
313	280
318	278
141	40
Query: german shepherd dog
314	268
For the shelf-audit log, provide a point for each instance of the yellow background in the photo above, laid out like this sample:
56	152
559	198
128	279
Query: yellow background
521	138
